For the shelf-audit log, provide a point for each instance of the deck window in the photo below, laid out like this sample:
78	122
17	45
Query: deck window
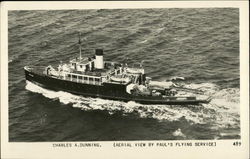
97	81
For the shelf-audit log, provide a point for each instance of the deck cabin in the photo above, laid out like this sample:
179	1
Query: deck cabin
93	70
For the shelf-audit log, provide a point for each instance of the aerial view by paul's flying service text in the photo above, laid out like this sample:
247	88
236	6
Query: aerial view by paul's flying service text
124	74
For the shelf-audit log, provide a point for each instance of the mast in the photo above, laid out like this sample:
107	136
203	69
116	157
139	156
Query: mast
80	46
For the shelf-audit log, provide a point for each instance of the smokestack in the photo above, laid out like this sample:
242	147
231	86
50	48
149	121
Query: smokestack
99	64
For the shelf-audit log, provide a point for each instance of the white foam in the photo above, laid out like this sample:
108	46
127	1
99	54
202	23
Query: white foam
178	133
144	41
222	111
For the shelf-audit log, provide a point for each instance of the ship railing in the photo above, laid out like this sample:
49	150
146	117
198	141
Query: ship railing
84	79
37	70
88	73
180	98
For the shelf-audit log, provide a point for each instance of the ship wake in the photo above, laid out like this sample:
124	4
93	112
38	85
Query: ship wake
221	113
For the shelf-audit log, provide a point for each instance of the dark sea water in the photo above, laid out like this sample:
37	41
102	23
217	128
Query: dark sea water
201	45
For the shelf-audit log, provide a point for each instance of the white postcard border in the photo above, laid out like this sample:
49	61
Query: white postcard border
223	148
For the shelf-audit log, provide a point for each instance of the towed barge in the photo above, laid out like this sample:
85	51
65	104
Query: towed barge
94	77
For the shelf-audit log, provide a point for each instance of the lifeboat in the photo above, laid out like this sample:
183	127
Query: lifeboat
120	79
134	70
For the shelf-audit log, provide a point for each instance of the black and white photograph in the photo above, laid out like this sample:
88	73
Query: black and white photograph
124	75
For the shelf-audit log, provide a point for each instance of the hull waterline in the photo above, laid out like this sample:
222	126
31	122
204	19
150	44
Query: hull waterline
105	91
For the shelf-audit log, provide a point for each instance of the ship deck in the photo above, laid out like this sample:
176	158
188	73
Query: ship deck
40	70
36	69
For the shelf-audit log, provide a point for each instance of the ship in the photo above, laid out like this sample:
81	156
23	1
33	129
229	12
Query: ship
94	77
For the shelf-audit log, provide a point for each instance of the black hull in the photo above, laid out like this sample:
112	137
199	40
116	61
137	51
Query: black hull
106	91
